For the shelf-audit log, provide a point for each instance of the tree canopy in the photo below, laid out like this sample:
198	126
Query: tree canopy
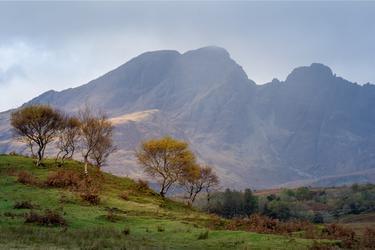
36	124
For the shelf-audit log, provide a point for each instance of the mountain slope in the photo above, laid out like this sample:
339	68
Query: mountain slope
314	124
143	220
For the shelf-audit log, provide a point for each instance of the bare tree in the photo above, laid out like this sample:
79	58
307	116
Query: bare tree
165	159
196	179
95	130
212	182
36	124
102	150
68	139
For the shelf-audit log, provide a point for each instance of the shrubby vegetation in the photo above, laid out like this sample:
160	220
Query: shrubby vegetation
316	205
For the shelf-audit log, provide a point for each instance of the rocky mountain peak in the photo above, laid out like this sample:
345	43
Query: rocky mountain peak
315	72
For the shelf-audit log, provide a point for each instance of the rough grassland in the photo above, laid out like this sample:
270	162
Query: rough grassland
150	222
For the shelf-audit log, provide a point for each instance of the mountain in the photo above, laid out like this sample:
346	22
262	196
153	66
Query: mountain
313	125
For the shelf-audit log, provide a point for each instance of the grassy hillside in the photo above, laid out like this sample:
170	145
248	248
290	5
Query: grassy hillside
142	220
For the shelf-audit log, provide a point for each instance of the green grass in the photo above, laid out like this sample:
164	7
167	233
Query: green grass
153	222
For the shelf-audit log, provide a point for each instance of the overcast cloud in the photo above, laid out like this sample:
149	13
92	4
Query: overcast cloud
59	45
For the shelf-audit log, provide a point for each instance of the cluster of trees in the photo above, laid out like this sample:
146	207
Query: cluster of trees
167	160
171	162
316	205
40	125
233	203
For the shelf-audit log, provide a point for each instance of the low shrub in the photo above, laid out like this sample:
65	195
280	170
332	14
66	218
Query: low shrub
321	246
88	187
203	235
63	178
126	231
142	185
338	232
160	228
23	205
111	216
368	238
263	224
49	218
89	190
124	196
67	198
9	214
26	178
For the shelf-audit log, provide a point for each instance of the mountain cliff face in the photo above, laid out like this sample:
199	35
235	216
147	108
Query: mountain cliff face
312	126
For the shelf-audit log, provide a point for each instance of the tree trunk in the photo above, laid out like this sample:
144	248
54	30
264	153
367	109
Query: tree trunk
193	198
31	149
86	165
40	156
162	189
208	201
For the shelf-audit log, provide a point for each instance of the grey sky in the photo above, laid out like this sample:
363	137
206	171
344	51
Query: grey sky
59	45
